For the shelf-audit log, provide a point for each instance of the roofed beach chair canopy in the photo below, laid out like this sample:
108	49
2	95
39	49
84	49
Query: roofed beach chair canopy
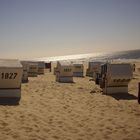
78	69
115	77
10	78
48	65
33	68
41	67
93	66
64	71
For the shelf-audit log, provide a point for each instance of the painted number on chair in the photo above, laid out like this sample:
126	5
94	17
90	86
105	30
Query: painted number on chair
8	75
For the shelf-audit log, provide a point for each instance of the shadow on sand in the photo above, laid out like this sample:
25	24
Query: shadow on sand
123	96
9	101
66	82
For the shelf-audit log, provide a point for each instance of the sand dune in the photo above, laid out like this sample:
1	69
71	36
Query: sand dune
71	111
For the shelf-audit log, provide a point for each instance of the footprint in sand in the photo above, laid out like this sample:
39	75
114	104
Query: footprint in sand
3	123
55	137
16	136
27	129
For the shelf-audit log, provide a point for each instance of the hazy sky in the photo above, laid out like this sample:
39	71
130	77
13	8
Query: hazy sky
38	28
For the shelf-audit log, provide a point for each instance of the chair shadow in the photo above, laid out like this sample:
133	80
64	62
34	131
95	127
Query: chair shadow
25	82
123	96
67	82
9	101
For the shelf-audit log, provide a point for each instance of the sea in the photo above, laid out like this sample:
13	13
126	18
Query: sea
107	56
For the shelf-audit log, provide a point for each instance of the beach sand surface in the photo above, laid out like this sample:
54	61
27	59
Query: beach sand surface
49	110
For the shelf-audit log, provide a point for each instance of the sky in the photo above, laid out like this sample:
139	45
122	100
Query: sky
44	28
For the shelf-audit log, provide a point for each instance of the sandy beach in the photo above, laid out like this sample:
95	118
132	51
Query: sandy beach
49	110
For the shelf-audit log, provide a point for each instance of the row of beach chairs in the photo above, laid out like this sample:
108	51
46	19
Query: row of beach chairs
65	71
14	72
111	77
32	69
